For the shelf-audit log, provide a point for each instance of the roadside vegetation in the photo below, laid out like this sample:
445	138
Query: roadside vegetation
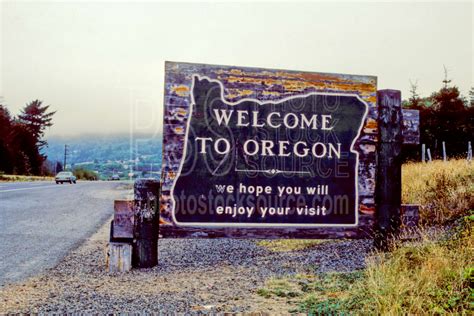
21	140
446	115
444	190
85	174
433	274
17	178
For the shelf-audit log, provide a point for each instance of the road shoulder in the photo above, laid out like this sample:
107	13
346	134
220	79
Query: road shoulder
193	275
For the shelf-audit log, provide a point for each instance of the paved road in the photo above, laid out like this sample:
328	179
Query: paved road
41	221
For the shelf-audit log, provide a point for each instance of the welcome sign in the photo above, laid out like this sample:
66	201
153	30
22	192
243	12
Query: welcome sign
257	148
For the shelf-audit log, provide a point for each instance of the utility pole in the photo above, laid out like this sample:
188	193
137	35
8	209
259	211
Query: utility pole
65	156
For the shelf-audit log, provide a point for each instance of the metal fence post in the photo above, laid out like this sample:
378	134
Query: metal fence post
444	152
469	151
423	152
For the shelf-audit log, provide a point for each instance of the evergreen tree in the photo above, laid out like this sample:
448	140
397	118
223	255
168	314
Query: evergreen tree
414	102
27	157
21	139
471	96
6	163
448	99
28	137
444	116
36	118
452	123
59	167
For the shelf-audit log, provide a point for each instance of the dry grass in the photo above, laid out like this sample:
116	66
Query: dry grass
433	275
18	178
445	190
425	277
289	244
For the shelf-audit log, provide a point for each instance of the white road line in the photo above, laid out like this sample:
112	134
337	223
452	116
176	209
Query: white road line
21	189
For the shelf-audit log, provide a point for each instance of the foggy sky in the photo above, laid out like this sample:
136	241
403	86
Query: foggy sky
100	65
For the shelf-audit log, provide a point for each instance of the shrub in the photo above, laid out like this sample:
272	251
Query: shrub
85	174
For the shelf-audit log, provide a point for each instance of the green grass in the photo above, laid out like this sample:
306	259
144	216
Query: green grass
280	288
312	294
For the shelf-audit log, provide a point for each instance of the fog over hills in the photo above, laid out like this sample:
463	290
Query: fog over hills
103	148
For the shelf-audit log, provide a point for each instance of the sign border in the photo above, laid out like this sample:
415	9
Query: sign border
269	225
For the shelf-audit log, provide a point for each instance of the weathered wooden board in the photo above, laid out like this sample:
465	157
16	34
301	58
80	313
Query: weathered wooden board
123	221
364	230
410	215
119	257
264	85
411	127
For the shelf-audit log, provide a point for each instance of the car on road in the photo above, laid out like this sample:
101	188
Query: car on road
114	177
65	176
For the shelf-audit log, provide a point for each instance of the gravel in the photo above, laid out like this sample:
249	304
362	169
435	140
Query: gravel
193	275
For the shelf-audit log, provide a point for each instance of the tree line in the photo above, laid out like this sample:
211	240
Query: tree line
21	139
445	116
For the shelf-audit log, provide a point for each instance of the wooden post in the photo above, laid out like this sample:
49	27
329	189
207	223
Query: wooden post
119	249
388	180
118	257
429	155
444	151
423	151
145	247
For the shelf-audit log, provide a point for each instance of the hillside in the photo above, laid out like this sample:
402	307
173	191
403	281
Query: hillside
108	153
